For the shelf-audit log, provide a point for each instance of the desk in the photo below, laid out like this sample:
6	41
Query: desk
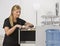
28	35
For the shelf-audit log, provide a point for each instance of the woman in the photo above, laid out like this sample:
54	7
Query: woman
11	26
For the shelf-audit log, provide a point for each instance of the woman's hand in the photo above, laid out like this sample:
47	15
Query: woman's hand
29	25
25	27
19	26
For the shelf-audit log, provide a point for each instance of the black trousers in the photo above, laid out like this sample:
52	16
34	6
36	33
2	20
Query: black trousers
9	44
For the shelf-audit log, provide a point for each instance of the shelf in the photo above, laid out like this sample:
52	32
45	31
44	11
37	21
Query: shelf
51	22
45	16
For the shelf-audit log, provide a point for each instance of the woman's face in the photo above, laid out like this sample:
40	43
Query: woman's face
16	13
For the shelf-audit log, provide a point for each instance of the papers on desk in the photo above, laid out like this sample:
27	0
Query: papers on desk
29	29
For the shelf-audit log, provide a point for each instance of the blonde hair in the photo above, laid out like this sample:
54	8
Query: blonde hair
11	16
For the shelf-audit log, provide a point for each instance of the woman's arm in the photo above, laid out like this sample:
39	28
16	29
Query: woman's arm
11	30
29	24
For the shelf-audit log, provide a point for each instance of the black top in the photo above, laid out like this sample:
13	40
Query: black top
12	38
